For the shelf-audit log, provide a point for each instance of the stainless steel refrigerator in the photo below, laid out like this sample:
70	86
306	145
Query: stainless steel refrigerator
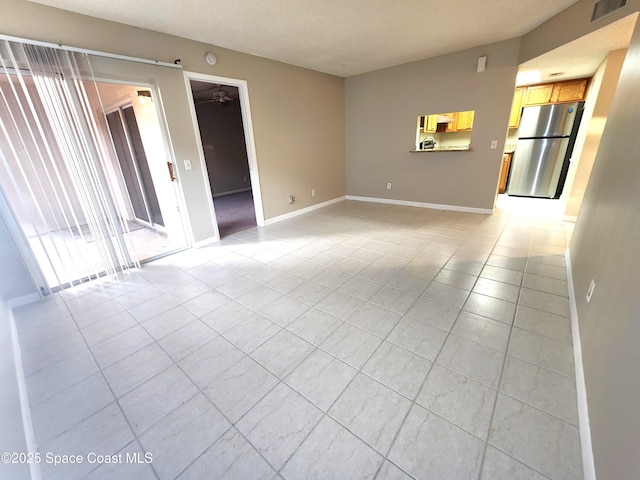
543	152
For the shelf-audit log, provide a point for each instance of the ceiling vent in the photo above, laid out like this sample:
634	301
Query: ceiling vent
603	7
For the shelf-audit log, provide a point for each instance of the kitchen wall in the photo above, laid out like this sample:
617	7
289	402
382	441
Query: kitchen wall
603	87
604	247
297	114
224	147
381	112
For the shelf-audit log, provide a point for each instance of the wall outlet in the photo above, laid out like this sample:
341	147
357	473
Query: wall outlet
292	199
389	186
187	165
245	179
592	287
313	193
494	144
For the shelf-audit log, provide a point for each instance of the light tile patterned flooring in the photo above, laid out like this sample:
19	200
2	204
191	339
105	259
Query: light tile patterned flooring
358	341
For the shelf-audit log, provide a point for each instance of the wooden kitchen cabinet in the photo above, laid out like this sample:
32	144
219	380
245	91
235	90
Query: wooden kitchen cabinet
452	126
464	122
559	92
569	91
538	94
516	108
504	172
431	123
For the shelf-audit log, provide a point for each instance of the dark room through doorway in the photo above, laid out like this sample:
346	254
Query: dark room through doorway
219	116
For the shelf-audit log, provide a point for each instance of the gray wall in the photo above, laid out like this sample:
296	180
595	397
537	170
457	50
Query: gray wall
381	112
605	247
224	147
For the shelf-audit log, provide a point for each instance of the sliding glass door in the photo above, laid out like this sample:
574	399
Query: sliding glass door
62	172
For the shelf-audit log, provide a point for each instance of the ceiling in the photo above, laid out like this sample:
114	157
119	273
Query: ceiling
341	37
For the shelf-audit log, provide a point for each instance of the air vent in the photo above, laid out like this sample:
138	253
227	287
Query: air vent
603	7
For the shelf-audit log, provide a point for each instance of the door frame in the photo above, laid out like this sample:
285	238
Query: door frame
247	124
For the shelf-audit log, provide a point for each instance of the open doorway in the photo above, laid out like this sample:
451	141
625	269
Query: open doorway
222	121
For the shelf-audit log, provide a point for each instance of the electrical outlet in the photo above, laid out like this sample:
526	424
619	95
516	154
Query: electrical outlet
245	179
313	193
592	287
494	144
389	186
292	199
187	165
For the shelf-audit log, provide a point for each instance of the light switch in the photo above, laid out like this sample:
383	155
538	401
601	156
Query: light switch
187	164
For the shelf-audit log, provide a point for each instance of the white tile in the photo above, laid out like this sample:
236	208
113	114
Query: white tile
52	352
544	389
284	310
187	339
496	289
398	369
499	274
310	292
472	360
331	451
459	399
351	344
493	308
314	326
544	323
446	295
547	302
321	378
137	368
361	288
60	376
133	465
429	447
482	330
544	443
282	353
393	299
104	433
390	472
372	411
251	332
238	389
110	326
121	346
225	317
150	402
210	360
456	279
183	435
230	458
430	311
374	319
498	465
546	284
339	304
543	351
279	423
206	302
63	411
418	337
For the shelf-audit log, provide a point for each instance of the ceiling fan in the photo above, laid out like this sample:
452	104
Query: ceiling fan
219	95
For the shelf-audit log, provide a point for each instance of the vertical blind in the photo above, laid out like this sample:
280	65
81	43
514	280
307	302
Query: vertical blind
55	169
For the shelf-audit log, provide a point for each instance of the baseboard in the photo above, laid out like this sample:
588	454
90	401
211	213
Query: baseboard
435	206
206	242
302	211
24	300
231	192
588	463
25	409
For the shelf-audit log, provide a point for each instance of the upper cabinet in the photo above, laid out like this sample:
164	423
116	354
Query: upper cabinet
464	121
571	91
516	108
559	92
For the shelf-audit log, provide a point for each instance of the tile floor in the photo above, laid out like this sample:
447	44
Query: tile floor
358	341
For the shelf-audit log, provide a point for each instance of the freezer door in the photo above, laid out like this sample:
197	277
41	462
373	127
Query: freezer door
536	167
547	120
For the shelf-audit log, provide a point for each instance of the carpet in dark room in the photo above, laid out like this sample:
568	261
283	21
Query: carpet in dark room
235	212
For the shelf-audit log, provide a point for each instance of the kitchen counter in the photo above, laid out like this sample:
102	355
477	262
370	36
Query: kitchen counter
444	149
